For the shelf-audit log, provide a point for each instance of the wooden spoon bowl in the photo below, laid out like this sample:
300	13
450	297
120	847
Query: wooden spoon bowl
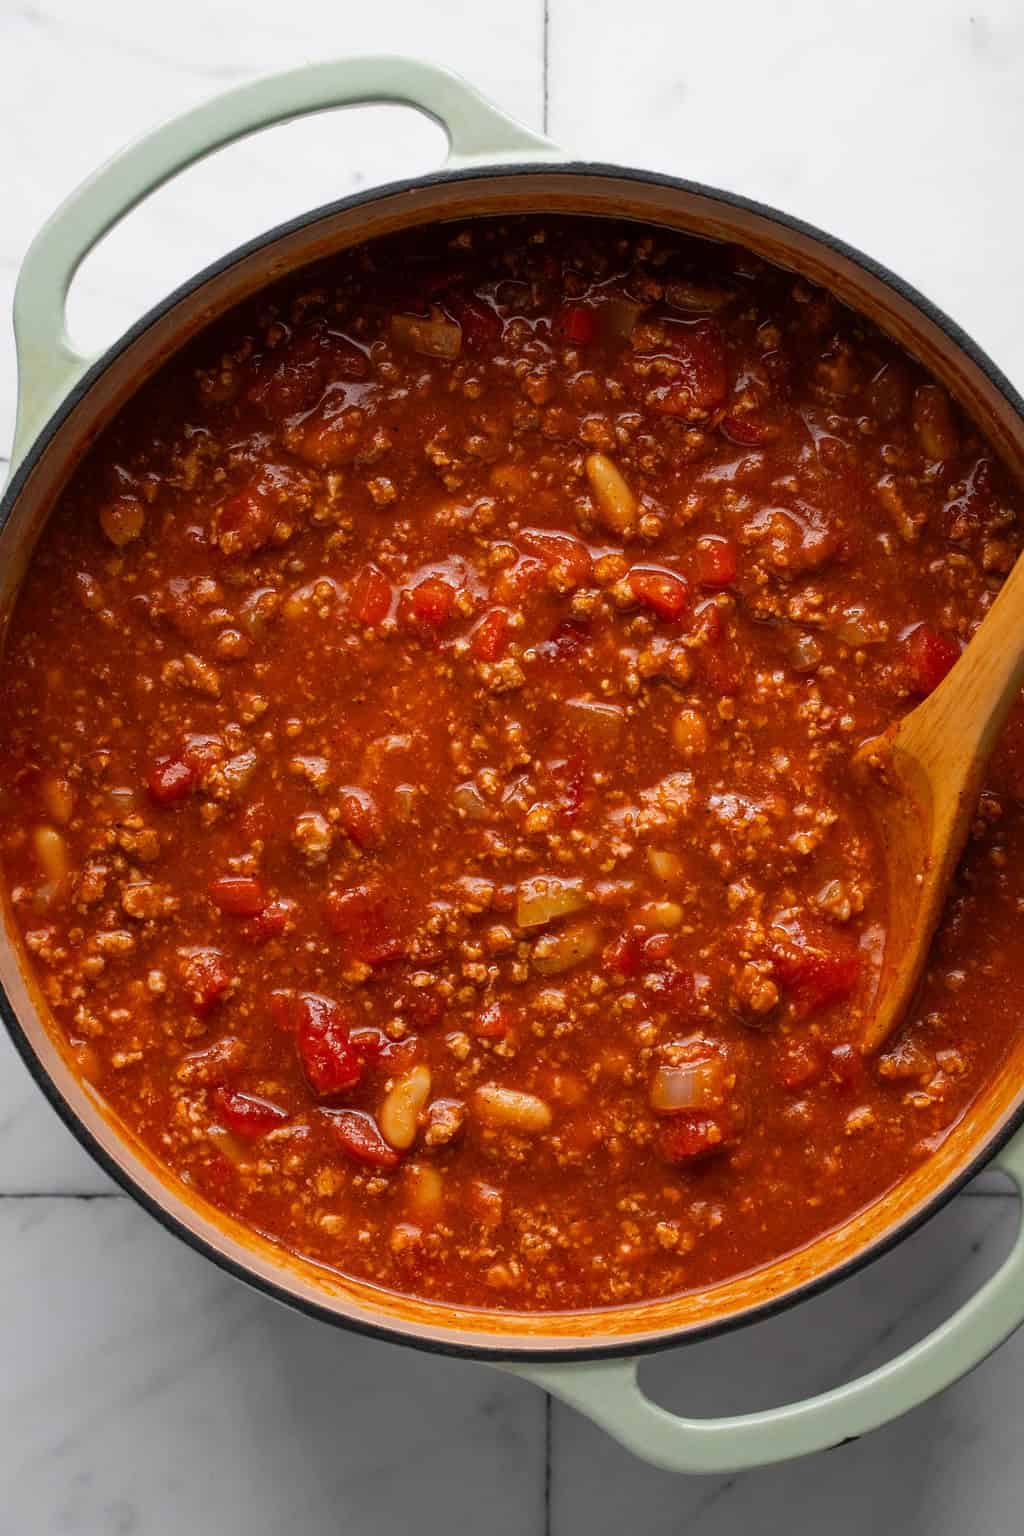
922	779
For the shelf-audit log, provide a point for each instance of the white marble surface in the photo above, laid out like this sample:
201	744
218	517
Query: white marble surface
143	1392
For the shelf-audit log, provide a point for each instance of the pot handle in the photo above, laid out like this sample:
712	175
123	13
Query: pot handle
48	365
608	1391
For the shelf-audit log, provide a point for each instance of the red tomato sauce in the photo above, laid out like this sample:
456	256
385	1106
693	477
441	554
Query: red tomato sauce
425	742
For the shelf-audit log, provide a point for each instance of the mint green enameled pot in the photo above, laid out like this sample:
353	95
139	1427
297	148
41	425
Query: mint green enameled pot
494	167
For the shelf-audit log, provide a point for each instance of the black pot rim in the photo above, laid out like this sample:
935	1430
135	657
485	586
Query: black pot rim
518	1354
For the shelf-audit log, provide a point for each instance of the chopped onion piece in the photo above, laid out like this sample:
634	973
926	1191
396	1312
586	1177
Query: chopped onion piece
805	654
405	801
228	1147
601	722
691	1085
555	952
124	798
856	627
619	316
545	897
660	916
436	337
665	865
468	799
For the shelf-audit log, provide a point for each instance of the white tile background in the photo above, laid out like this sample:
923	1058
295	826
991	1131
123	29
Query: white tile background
140	1390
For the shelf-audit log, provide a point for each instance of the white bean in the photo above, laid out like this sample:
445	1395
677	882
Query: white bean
52	853
615	501
436	337
399	1114
510	1109
542	898
123	520
665	864
58	799
425	1191
658	916
689	733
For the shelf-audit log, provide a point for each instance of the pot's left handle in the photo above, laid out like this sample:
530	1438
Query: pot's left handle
48	365
609	1393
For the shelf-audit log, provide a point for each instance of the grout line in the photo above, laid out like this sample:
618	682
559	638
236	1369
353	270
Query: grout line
547	1462
60	1194
546	61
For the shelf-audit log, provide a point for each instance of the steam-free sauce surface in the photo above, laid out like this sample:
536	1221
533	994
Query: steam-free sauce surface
425	740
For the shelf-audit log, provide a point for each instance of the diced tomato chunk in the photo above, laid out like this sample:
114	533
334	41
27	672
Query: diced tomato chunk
800	1064
370	598
716	561
689	1135
420	1004
658	948
360	1139
330	1061
207	977
375	1049
170	779
238	895
624	956
360	816
682	992
571	780
567	640
246	1116
430	602
493	1022
516	582
576	323
292	376
702	381
930	655
400	1055
490	636
708	622
364	917
201	751
244	523
749	429
481	325
718	656
662	591
271	922
566	557
815	977
368	1042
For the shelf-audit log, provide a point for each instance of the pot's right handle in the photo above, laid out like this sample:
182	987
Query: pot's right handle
48	365
608	1391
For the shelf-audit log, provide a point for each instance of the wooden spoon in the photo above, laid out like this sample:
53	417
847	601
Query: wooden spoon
922	779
